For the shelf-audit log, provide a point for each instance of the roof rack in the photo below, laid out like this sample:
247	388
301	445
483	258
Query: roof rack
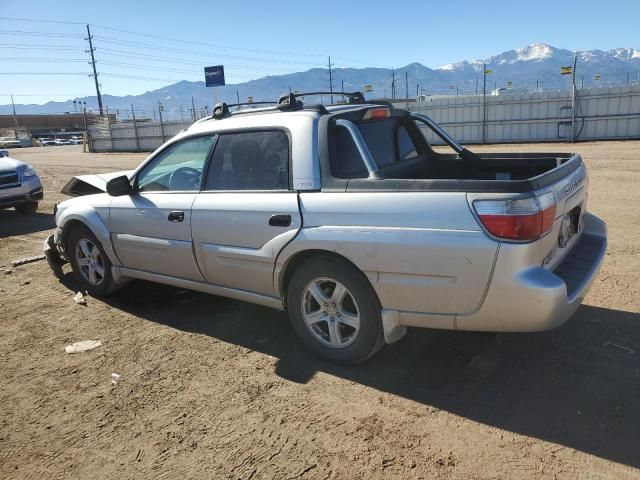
286	102
354	97
221	110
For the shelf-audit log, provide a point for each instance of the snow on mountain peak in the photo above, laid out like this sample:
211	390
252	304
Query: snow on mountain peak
625	53
535	52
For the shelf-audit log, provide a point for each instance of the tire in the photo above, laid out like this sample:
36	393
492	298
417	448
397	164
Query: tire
330	329
92	269
27	208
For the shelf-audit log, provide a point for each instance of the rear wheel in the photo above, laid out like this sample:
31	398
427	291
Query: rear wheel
27	208
335	311
90	264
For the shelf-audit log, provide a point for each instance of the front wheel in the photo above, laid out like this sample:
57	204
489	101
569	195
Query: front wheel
335	311
90	264
27	208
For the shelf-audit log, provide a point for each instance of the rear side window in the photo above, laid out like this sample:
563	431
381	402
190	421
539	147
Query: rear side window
257	160
406	147
378	135
347	162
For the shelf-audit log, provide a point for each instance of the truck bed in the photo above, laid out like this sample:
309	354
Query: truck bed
497	172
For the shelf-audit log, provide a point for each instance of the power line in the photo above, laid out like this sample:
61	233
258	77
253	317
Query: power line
123	53
199	52
166	38
39	34
39	47
209	44
41	21
43	73
31	59
162	69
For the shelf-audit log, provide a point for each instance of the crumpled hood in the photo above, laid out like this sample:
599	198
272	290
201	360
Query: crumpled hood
90	184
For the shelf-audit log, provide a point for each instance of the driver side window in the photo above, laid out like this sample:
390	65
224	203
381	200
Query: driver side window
177	168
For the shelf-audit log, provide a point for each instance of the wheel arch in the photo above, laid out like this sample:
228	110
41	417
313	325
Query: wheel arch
297	259
92	221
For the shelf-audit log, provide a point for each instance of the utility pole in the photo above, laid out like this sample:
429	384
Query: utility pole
342	83
476	84
15	117
135	128
393	83
95	73
193	109
573	98
484	103
330	80
160	108
85	134
238	96
406	87
417	90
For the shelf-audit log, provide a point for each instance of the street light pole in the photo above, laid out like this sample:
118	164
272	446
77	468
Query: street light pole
573	98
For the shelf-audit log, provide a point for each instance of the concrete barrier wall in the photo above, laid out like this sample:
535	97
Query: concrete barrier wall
601	114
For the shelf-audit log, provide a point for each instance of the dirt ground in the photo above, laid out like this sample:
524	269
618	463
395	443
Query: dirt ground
215	388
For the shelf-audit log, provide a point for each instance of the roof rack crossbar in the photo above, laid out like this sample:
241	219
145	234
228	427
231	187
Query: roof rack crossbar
221	110
354	97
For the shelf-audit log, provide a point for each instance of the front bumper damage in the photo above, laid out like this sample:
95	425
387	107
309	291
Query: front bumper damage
55	256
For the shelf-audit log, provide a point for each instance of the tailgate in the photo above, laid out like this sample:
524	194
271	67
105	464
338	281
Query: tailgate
571	205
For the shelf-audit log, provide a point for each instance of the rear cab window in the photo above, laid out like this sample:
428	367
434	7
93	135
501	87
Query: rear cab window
389	142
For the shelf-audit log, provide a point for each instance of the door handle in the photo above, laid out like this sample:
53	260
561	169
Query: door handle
280	220
176	216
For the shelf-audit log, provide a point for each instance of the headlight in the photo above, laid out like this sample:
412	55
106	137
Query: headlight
29	172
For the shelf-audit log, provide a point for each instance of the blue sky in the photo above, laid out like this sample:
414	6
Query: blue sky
257	38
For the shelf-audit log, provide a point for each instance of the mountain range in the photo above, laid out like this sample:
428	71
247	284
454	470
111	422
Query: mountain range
535	66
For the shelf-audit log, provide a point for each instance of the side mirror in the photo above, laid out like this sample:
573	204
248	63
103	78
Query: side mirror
119	186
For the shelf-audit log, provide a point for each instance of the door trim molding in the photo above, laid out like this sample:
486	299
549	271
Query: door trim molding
236	294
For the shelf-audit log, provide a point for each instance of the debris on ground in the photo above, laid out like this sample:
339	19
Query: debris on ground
23	261
8	272
26	282
79	299
82	346
114	378
621	347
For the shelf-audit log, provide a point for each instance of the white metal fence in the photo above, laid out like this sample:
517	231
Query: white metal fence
601	114
132	136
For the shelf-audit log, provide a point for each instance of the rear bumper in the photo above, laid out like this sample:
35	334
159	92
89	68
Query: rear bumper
529	299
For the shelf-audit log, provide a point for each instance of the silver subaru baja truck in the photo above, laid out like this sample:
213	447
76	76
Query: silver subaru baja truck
345	217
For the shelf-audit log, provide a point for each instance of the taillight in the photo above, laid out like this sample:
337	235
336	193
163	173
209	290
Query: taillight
522	219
